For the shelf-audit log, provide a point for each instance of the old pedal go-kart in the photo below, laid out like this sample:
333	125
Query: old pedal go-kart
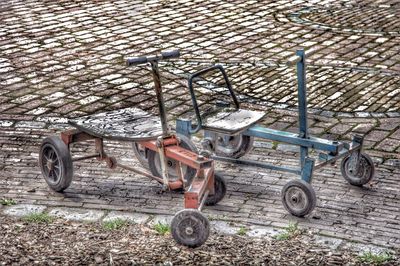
229	133
191	172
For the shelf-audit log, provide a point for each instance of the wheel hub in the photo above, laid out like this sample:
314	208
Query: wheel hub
295	199
50	165
189	230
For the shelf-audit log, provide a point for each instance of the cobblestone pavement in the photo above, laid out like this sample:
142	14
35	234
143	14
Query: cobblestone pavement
62	59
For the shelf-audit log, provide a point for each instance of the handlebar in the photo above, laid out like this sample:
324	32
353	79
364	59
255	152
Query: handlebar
297	58
144	59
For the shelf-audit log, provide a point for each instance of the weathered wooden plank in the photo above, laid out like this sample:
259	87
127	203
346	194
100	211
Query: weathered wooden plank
231	121
131	124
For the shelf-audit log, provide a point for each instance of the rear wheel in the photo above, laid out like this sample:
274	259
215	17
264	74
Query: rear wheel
233	146
364	173
220	191
188	172
55	162
141	154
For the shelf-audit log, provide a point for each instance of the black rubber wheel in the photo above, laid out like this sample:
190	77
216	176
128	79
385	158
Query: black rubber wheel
188	172
190	228
55	161
298	197
141	154
233	146
365	173
220	191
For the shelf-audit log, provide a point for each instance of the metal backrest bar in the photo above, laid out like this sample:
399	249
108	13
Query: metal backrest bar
193	95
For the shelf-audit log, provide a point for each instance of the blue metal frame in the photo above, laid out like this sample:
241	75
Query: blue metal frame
334	149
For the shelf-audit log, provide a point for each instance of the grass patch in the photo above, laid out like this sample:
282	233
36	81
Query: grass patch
162	228
275	145
39	218
115	224
372	258
7	202
242	231
289	232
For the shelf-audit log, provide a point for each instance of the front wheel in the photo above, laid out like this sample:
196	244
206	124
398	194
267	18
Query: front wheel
219	191
55	162
141	154
298	197
190	228
362	175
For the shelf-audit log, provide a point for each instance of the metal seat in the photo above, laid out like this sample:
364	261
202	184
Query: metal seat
231	121
130	124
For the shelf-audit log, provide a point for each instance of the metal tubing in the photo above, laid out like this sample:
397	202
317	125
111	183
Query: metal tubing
180	154
203	201
164	167
302	101
86	157
140	172
342	153
184	127
307	169
293	138
295	59
354	163
257	164
160	99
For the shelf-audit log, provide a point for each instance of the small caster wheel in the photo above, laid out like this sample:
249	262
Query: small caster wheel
190	228
188	172
298	197
233	146
220	191
141	154
365	173
55	161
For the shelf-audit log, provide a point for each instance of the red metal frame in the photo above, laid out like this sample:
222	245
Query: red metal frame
203	181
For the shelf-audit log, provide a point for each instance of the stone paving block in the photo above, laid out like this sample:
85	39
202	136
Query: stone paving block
288	148
333	243
138	218
260	231
21	210
263	144
163	219
362	248
86	215
223	227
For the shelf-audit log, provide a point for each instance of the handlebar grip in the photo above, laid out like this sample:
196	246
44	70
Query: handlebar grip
137	61
144	59
296	58
170	54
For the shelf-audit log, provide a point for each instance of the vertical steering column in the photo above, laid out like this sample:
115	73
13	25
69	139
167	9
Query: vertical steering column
164	125
160	98
302	100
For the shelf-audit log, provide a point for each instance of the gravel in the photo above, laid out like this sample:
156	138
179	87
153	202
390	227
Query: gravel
66	242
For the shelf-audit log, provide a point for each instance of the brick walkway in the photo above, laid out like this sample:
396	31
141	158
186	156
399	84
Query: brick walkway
62	59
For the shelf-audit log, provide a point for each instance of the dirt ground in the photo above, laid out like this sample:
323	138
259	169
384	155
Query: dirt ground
71	243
